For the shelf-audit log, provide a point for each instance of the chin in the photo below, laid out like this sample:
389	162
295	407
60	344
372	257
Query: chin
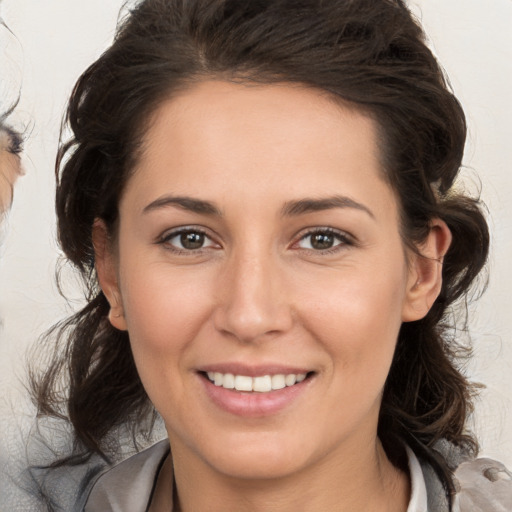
259	458
265	466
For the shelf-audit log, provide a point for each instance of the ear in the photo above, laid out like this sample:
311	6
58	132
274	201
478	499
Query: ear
425	272
106	269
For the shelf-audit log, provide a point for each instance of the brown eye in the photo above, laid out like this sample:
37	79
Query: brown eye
182	240
322	241
192	240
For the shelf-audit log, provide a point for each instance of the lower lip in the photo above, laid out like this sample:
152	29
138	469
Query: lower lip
253	404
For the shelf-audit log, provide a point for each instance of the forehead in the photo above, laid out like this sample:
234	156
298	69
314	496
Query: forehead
259	140
209	107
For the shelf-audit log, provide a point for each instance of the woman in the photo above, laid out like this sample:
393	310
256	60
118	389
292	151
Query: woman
10	162
260	198
11	141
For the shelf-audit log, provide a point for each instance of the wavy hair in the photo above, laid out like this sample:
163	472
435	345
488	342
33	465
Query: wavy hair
370	53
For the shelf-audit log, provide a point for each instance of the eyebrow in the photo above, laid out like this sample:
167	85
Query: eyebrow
290	209
294	208
186	203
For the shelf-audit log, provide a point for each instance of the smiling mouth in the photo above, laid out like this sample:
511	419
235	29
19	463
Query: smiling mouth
258	384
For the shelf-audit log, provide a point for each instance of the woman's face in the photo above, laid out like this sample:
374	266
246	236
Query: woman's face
259	244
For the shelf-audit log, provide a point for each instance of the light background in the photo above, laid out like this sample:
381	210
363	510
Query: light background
58	39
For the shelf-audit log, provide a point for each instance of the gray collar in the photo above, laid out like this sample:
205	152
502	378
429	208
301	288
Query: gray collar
482	484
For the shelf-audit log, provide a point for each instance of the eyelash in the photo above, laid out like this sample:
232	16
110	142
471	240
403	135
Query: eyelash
343	238
168	236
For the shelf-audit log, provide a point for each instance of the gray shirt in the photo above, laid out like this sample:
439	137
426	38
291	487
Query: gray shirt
483	485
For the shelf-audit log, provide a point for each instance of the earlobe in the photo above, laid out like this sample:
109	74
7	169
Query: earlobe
106	269
116	317
425	272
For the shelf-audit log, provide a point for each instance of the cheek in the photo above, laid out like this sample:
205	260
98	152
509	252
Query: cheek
165	313
356	315
164	310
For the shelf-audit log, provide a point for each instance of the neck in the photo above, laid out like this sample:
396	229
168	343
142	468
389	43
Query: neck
363	481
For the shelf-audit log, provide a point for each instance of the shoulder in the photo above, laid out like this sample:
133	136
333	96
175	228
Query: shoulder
128	485
483	484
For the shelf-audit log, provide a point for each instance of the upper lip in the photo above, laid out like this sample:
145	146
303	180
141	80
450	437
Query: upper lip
253	370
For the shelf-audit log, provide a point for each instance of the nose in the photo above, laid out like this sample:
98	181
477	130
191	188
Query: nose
253	302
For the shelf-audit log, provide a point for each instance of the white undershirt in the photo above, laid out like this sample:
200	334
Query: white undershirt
418	502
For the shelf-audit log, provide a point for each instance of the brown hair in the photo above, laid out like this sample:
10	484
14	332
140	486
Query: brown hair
371	53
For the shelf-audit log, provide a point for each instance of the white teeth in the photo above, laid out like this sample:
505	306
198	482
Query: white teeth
260	384
218	378
278	381
290	379
243	383
229	381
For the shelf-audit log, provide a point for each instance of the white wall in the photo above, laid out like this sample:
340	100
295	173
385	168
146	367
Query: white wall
473	40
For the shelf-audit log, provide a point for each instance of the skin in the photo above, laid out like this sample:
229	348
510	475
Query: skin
258	293
10	169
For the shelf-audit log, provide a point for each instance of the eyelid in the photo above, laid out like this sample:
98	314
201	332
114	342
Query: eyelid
345	238
169	234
